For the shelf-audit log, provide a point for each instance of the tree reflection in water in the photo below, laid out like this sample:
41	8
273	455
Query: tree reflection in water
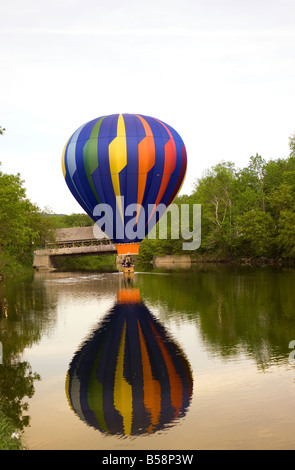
24	315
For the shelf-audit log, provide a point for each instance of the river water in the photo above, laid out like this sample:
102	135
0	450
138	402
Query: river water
196	359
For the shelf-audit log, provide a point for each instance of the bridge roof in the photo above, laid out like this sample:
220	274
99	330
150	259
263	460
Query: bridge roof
78	234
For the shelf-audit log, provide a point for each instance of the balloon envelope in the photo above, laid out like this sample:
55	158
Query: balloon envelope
116	161
129	377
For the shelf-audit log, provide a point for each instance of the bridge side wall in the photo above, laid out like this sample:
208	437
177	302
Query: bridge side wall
43	259
77	241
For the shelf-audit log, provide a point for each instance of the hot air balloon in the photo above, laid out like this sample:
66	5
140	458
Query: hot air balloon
121	169
129	377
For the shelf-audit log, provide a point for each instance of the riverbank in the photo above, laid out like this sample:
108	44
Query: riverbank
108	263
187	261
254	261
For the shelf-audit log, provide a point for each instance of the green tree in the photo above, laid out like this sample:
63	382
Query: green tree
256	233
286	231
73	220
23	225
250	186
215	193
280	183
292	145
281	199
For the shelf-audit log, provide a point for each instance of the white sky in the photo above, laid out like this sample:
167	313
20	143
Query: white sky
221	72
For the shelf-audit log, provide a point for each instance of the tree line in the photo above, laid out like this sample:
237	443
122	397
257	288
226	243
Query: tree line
245	213
248	212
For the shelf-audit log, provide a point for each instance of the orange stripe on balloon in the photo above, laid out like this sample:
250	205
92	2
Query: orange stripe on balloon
146	160
176	388
129	296
151	386
169	167
127	248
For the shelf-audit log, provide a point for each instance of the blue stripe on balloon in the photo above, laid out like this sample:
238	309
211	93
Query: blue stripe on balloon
77	196
175	134
145	201
132	160
84	194
113	127
98	185
71	168
154	125
103	146
140	132
86	131
157	171
71	164
106	192
80	177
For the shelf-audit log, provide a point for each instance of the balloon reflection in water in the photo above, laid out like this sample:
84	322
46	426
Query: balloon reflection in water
129	377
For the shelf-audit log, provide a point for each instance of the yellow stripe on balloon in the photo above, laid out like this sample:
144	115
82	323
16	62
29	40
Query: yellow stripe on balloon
122	389
118	159
67	385
63	164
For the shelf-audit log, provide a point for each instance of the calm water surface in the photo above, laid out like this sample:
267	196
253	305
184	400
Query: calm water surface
177	360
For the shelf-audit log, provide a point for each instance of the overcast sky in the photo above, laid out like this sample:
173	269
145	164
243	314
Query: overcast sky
221	72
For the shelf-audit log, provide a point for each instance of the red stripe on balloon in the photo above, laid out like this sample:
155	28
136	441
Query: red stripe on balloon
169	167
181	175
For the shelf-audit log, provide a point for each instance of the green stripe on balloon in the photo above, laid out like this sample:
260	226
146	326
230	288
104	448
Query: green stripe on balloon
90	156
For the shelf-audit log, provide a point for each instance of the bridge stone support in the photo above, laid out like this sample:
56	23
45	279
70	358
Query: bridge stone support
43	262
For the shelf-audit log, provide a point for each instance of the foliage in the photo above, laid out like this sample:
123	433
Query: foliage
286	231
86	263
292	145
73	220
256	236
248	212
24	226
9	438
161	241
